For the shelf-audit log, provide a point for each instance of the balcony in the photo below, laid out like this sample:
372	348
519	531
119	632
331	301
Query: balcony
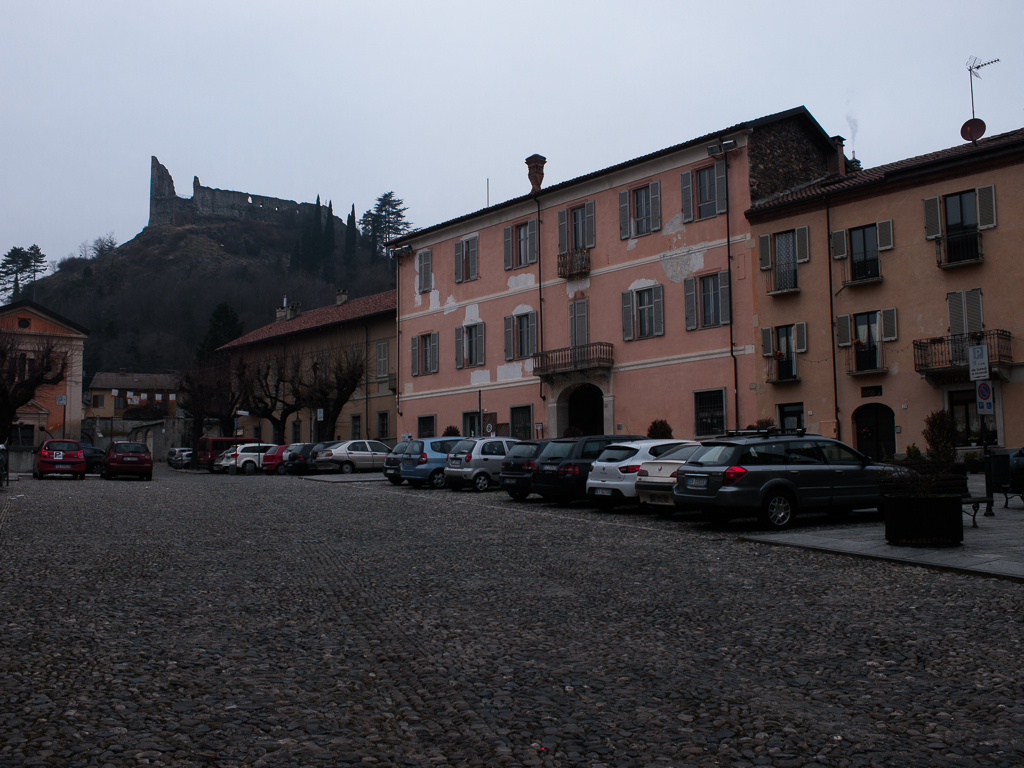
865	359
945	359
574	264
862	269
781	280
781	370
587	357
959	250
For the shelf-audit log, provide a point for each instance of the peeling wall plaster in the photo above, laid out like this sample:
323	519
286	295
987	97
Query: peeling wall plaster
673	225
510	371
472	315
522	281
480	377
571	286
643	282
680	264
435	299
450	305
522	309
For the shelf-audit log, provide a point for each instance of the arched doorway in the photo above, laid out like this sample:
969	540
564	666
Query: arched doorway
875	427
586	409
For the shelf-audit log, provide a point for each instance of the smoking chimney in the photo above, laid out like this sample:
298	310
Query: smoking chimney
535	164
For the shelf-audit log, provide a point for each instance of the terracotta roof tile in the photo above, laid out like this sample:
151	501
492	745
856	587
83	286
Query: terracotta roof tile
315	319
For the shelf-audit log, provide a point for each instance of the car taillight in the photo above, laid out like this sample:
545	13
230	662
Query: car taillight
630	469
469	455
569	469
422	459
733	475
46	454
528	465
642	473
675	473
78	455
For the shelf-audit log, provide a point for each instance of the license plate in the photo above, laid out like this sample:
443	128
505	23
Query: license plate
390	471
63	466
661	498
550	467
602	492
508	481
131	458
697	482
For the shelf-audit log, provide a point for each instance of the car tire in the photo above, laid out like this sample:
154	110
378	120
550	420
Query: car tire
249	468
778	510
35	475
482	482
395	480
437	479
281	469
41	475
347	468
518	495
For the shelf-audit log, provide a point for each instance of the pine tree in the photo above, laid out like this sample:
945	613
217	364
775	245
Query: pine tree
36	261
351	235
224	327
327	246
386	221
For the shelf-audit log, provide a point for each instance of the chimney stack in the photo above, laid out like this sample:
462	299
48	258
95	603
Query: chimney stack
837	165
341	297
293	311
535	166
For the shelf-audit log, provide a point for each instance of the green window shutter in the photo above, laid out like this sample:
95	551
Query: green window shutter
426	274
627	315
659	310
588	224
932	218
581	322
986	197
955	308
972	311
690	302
509	263
724	299
471	260
839	244
843	334
767	349
624	215
458	347
686	186
481	335
563	231
720	187
655	205
531	241
532	334
800	337
510	351
803	245
414	350
433	352
458	262
572	323
889	324
883	231
764	244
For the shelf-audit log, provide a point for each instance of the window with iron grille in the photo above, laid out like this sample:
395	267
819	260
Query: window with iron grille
791	416
708	412
383	425
785	261
521	418
22	434
426	426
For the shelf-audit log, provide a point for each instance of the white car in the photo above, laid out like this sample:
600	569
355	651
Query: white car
247	458
612	478
656	478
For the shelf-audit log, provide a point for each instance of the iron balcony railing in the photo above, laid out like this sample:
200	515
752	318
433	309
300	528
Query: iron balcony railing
597	354
861	269
781	279
957	249
573	264
945	353
781	370
865	358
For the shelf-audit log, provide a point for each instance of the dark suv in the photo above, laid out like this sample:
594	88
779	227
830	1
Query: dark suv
561	469
776	475
517	468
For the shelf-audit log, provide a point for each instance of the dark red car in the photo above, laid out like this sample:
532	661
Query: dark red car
124	457
273	460
59	457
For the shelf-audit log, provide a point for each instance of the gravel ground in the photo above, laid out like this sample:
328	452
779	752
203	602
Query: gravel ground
270	621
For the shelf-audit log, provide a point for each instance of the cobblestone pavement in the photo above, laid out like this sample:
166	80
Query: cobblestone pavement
268	621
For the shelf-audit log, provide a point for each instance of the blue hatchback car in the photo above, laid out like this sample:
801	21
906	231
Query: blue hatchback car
424	461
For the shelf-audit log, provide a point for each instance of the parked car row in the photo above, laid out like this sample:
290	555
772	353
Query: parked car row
765	473
70	457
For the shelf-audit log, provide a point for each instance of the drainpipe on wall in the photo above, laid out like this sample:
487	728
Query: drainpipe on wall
728	252
535	165
832	316
366	379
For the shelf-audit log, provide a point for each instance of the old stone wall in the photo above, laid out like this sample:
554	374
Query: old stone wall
783	155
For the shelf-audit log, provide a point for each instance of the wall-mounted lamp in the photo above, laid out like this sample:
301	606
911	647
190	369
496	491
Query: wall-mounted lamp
719	149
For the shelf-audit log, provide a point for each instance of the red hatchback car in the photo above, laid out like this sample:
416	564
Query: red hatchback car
273	460
127	458
59	457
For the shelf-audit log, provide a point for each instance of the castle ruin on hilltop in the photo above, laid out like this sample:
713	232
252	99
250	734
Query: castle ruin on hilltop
208	204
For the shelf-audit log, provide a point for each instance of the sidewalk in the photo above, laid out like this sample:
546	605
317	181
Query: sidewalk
994	548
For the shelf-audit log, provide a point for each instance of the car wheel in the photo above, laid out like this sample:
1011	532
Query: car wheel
346	468
395	480
41	475
250	468
281	469
777	510
482	482
518	495
35	475
437	479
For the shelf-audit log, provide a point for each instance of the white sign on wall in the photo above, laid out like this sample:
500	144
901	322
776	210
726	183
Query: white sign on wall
979	362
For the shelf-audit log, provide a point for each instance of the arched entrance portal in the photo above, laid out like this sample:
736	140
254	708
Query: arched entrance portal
586	409
875	427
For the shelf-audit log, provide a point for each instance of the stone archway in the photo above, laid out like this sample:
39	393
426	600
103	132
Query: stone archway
584	408
874	426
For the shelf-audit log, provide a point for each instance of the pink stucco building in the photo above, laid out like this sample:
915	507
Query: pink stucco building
604	302
872	287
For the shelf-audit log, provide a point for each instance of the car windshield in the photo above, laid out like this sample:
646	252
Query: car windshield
614	453
556	450
713	455
463	445
682	453
130	448
521	451
63	445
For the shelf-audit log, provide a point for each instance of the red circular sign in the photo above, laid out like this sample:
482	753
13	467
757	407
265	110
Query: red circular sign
984	393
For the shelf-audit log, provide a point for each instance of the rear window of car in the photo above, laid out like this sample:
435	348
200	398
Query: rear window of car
399	449
493	448
617	453
416	446
556	450
463	445
713	455
682	453
658	450
63	445
521	451
592	448
443	446
130	448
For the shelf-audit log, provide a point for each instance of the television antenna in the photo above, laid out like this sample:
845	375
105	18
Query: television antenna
973	65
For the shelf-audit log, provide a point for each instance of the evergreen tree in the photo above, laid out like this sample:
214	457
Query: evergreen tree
386	221
224	327
327	246
14	267
351	236
36	261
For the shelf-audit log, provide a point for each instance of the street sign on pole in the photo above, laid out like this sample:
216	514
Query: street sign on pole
242	413
986	404
979	362
62	399
319	414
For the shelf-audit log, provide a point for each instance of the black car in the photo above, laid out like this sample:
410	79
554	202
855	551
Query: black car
561	469
300	458
775	476
393	463
93	458
517	468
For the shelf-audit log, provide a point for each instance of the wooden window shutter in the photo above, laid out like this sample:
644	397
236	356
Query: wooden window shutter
480	338
720	187
459	359
531	241
471	258
839	244
509	263
532	320
589	225
624	215
686	184
659	310
414	349
932	218
843	334
433	352
883	232
581	322
889	324
510	335
572	323
803	245
563	231
428	277
800	337
458	262
655	205
627	315
972	311
955	308
767	342
986	197
690	302
724	299
764	244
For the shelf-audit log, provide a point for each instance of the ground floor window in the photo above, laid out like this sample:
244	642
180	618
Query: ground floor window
971	428
257	433
357	427
709	413
22	434
383	425
426	426
296	431
521	422
471	424
791	416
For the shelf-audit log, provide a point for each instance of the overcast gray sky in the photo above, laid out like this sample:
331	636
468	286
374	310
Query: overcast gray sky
430	99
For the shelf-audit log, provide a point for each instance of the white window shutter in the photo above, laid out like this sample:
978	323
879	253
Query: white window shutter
955	309
686	185
724	299
659	310
889	324
459	354
655	205
720	200
509	262
764	244
624	215
627	315
800	337
414	350
531	241
767	349
510	351
843	334
590	234
458	262
972	311
839	244
563	231
986	197
932	218
690	302
883	232
803	245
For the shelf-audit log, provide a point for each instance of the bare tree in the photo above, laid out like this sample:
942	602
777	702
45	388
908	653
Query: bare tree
207	394
269	388
26	364
329	383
